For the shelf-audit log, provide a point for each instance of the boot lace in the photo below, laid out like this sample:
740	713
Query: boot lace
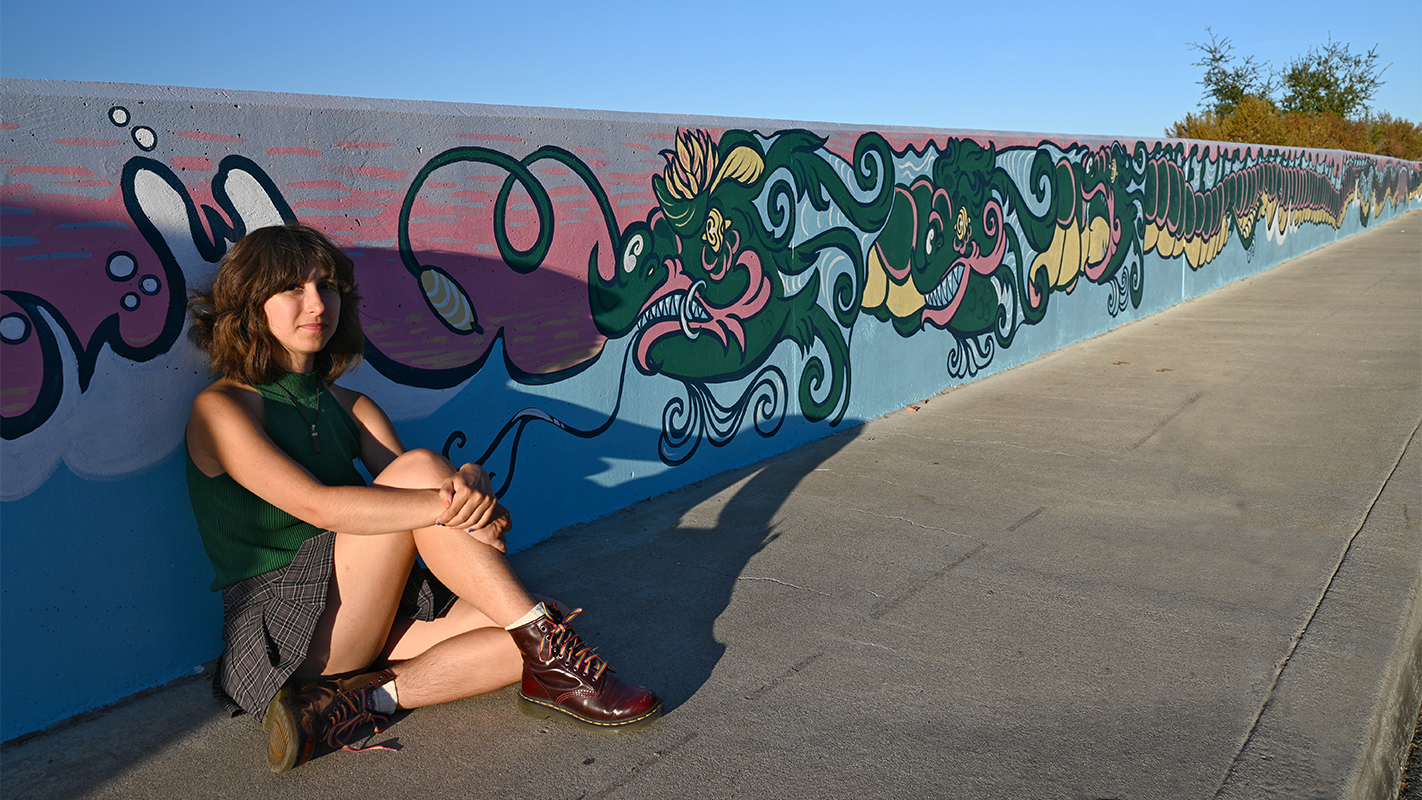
564	642
347	714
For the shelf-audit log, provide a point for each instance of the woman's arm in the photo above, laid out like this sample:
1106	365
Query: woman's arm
379	443
468	487
225	434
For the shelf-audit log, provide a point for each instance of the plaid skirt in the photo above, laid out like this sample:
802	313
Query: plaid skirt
270	619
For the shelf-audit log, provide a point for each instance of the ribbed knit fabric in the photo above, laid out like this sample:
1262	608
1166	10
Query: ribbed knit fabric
244	535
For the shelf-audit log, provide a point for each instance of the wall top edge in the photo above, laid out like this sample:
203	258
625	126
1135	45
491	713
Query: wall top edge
30	87
129	92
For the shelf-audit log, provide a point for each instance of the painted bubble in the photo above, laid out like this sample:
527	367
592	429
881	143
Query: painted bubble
121	266
14	329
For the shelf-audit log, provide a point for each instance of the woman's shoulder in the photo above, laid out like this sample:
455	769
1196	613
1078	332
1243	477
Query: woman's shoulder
224	408
348	397
359	406
225	394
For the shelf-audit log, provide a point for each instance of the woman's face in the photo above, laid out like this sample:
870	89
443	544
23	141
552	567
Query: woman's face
303	318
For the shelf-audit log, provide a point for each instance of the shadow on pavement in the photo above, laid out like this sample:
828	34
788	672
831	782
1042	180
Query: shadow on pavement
75	757
655	577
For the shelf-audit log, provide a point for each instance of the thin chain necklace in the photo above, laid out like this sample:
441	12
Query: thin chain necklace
315	439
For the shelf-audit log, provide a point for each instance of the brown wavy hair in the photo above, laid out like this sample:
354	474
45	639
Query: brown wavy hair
230	321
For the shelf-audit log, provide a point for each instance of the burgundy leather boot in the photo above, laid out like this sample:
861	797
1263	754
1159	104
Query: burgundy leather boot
563	678
330	710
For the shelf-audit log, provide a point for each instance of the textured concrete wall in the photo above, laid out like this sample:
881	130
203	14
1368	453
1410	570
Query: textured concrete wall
599	307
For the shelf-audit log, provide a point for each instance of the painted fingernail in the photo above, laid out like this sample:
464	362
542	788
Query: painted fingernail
441	524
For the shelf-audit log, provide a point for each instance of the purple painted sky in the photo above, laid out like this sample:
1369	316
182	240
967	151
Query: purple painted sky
992	66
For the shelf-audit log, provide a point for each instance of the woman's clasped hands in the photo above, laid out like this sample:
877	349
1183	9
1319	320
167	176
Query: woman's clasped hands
470	505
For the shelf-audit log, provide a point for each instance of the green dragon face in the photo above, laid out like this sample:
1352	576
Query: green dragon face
943	238
694	282
701	285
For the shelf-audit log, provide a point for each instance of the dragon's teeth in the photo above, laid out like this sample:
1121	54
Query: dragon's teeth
669	307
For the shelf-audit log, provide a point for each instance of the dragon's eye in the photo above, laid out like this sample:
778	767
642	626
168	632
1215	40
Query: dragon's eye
631	251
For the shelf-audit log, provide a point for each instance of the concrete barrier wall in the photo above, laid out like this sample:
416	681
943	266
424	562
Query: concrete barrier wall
599	307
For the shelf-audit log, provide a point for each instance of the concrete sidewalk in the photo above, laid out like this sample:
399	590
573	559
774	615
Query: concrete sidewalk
1177	561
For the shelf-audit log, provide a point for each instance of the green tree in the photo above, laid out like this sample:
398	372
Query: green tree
1319	100
1227	83
1331	80
1326	80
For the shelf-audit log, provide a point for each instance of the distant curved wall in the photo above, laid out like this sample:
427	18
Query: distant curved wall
597	306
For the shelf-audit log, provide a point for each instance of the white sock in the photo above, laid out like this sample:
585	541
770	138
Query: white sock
386	698
533	614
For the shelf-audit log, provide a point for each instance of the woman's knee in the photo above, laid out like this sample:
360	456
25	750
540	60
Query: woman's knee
416	469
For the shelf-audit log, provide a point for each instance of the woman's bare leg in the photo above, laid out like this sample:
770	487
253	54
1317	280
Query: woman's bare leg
476	572
458	655
464	653
364	594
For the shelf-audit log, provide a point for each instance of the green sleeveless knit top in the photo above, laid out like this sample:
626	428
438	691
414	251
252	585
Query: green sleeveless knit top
245	535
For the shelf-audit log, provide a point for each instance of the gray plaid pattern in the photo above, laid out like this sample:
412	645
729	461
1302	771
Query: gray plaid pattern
269	620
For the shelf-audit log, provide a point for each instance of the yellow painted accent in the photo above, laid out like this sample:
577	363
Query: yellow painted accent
677	185
961	227
1071	258
1268	214
1152	233
1098	240
1050	259
904	300
1192	252
743	165
1063	257
876	283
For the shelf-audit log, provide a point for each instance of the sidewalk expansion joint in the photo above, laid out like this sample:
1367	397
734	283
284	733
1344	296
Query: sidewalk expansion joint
786	675
1313	612
924	584
1189	401
1019	523
632	771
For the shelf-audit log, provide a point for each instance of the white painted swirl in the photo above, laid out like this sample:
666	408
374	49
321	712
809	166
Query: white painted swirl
634	248
685	306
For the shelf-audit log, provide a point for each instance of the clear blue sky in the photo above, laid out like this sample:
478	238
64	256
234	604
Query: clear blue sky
1110	67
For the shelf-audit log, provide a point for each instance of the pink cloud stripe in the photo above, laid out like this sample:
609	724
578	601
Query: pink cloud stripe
490	137
80	171
209	137
373	172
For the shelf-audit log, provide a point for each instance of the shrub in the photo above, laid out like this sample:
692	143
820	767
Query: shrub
1256	120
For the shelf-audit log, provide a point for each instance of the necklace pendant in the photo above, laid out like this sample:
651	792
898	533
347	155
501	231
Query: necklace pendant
315	440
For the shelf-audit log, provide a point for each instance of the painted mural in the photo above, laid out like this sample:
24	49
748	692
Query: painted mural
742	240
704	284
